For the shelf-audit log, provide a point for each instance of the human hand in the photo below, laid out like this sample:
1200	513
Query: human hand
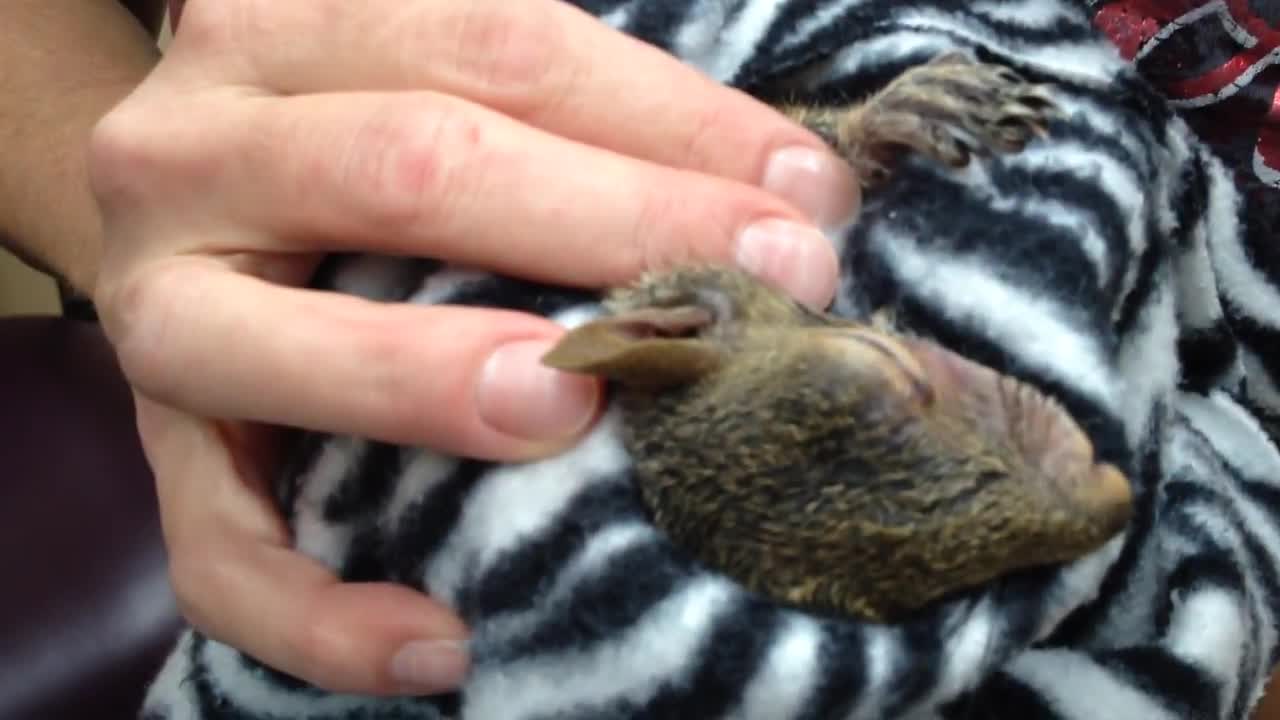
272	133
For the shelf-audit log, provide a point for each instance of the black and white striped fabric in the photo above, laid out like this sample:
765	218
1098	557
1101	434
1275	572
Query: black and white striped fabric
1096	264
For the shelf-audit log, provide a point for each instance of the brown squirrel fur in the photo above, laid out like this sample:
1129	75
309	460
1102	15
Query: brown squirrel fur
837	466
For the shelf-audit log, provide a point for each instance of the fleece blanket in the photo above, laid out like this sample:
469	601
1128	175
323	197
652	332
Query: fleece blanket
1119	264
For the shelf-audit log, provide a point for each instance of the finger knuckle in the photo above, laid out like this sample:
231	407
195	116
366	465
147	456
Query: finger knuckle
690	221
135	155
119	154
404	164
395	386
704	137
313	649
137	314
509	50
656	228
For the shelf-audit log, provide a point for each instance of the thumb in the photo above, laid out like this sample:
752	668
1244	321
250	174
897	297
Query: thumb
240	582
291	614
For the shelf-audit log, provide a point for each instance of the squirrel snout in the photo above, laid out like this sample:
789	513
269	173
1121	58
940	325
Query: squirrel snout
1038	440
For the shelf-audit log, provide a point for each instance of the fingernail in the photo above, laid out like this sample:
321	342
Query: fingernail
426	667
817	183
521	397
797	258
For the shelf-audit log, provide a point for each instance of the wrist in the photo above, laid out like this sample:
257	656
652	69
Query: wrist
66	65
48	215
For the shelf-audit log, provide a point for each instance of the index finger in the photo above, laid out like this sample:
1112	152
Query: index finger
544	62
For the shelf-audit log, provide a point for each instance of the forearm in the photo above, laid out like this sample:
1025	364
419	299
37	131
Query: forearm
65	64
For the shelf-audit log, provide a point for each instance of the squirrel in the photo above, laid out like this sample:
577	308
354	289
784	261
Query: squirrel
843	466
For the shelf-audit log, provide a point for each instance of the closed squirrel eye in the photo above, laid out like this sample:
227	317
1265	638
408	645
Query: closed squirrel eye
873	351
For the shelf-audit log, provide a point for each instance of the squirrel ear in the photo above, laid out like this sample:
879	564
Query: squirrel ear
651	347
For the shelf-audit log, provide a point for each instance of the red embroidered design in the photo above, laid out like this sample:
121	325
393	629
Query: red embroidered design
1138	27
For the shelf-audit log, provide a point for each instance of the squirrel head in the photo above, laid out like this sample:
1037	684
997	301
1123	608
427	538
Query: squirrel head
836	465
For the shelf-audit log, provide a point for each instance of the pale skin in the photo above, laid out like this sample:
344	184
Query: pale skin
273	132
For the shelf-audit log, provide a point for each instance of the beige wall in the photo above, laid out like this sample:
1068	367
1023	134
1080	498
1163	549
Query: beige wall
23	290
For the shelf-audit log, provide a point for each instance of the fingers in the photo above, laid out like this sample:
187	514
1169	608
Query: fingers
239	583
293	615
542	62
197	335
280	177
426	174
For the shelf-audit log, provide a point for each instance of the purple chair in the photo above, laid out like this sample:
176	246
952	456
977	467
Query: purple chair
86	612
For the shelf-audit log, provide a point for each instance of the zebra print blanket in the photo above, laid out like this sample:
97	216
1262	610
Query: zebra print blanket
1105	264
